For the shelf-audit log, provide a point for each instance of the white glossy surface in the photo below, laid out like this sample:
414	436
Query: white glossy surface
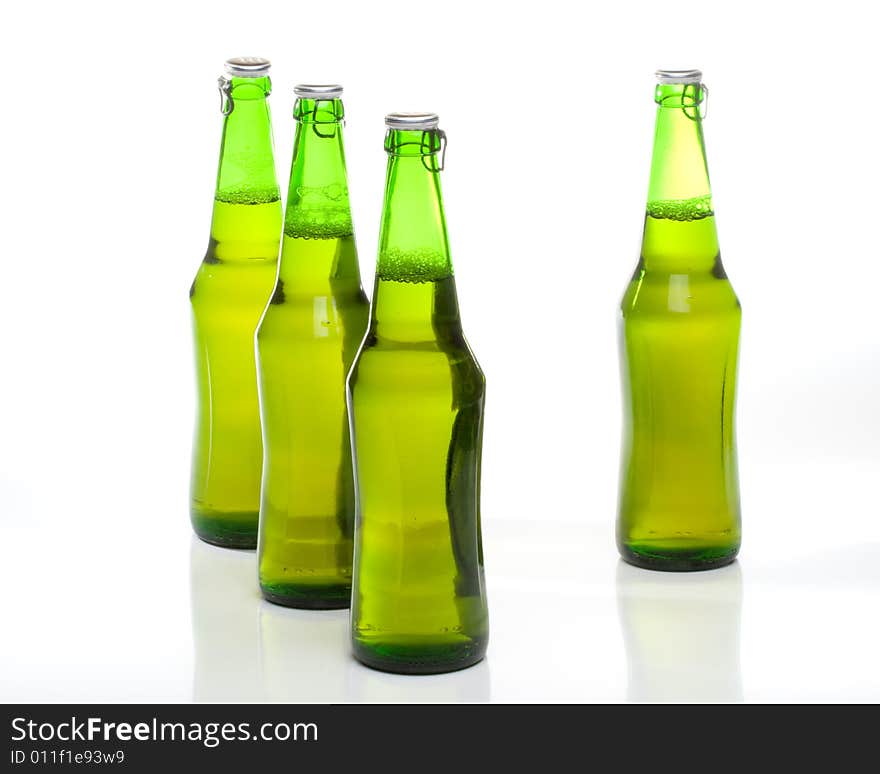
172	619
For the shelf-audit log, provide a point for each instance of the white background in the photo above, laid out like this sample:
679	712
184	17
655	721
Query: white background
109	130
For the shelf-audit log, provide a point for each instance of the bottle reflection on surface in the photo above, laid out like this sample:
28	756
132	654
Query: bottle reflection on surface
470	685
682	634
304	654
224	593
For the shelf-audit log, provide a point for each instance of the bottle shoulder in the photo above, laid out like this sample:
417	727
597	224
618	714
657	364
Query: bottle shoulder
313	316
699	293
288	295
223	282
382	360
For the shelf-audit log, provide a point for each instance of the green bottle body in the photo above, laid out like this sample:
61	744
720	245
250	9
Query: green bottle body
679	338
306	342
416	398
227	298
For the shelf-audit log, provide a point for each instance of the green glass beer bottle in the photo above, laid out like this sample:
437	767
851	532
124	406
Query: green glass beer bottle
306	342
415	397
679	498
228	296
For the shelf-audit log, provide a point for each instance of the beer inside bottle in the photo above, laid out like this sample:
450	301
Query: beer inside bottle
228	296
306	343
679	499
416	406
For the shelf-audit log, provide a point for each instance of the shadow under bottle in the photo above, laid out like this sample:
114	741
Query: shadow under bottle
682	634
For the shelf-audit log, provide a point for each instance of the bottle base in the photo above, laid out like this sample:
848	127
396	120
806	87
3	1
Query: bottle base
650	557
316	598
420	659
226	530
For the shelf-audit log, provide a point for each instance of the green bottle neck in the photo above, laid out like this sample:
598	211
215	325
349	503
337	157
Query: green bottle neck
246	221
317	196
246	173
318	243
414	291
680	234
413	245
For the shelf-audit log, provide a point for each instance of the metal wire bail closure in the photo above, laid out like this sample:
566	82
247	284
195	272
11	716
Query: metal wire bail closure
694	94
338	116
227	105
428	152
431	142
321	94
695	101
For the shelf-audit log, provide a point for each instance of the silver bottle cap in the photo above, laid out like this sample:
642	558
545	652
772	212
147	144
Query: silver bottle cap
679	76
247	67
322	91
416	121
